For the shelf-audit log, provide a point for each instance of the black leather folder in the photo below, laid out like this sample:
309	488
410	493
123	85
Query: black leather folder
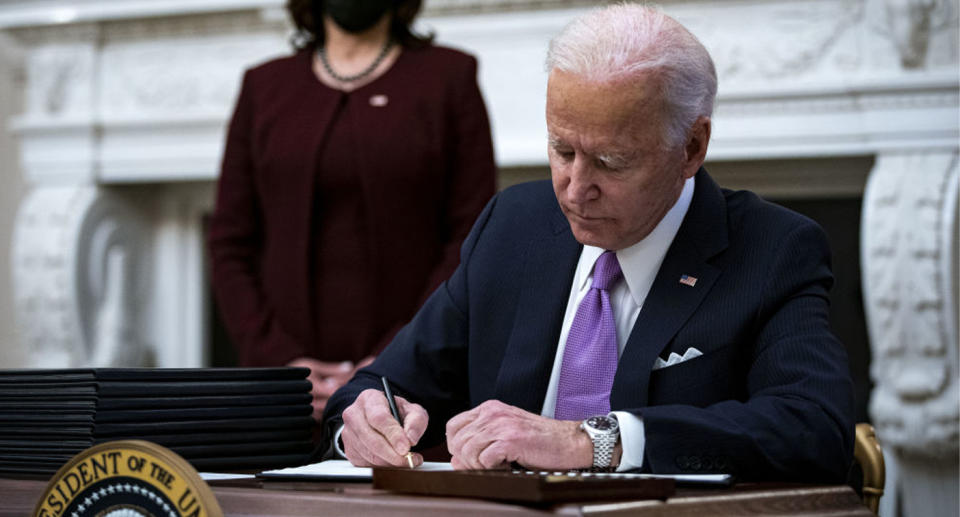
199	374
40	451
150	374
229	418
36	419
47	385
27	470
46	444
51	458
177	388
233	424
48	390
15	413
31	466
51	372
169	415
202	438
260	399
55	405
45	378
29	397
27	434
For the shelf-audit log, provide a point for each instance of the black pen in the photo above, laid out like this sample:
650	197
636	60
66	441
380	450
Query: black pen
396	413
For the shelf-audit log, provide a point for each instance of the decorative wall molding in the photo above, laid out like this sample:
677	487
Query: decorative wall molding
38	13
61	79
78	277
912	24
445	7
909	256
157	78
786	40
146	99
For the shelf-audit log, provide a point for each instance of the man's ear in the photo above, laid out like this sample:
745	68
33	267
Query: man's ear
695	151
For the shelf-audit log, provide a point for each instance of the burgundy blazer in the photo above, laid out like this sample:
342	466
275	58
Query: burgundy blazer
426	175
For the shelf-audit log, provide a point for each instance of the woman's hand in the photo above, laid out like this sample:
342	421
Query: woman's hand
327	377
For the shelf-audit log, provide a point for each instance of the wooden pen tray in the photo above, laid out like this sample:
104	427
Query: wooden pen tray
524	486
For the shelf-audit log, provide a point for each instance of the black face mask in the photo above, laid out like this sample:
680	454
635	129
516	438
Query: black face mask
356	15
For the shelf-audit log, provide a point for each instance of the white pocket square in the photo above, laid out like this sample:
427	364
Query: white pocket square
676	358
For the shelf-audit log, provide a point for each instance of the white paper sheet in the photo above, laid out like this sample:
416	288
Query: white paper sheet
221	476
339	469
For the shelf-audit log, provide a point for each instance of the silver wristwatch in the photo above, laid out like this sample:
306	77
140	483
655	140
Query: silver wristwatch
604	431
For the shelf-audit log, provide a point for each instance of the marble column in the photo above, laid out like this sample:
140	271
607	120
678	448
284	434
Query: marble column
909	254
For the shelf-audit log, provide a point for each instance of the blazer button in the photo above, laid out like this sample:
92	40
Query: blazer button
683	462
708	463
695	463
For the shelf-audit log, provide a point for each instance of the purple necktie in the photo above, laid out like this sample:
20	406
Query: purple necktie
590	357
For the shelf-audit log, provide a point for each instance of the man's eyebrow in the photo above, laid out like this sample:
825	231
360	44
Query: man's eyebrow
615	159
555	141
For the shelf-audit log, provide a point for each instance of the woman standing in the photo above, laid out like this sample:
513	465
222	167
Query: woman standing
353	171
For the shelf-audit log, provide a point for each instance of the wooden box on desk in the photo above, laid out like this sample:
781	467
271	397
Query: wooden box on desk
523	486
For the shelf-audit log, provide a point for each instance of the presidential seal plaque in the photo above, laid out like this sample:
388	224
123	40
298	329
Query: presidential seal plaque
128	478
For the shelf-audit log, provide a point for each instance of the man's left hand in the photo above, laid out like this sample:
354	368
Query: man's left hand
494	434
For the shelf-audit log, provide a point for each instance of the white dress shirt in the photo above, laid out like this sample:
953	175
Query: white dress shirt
640	264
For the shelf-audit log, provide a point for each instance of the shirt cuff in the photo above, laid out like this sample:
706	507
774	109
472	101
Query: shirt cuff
337	443
632	439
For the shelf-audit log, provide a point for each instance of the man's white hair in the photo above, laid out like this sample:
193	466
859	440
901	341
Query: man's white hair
619	41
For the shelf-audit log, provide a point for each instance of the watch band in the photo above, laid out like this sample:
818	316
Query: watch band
603	450
603	431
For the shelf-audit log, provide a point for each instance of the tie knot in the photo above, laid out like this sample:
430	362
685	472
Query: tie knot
606	272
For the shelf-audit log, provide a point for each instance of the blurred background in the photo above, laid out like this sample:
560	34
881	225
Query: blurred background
113	116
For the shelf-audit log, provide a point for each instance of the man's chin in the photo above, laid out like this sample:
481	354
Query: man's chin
591	238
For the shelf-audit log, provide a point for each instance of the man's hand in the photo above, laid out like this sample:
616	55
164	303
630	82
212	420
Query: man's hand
494	434
325	378
372	437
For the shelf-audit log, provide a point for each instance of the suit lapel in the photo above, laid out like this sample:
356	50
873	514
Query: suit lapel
548	268
670	303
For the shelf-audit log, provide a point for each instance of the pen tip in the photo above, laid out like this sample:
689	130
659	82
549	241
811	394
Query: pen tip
409	457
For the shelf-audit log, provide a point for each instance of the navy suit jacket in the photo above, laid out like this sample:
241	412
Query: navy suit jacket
770	398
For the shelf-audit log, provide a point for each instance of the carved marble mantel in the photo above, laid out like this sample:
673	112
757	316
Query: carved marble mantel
125	102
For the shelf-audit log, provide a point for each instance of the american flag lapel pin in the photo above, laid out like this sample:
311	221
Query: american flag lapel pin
688	280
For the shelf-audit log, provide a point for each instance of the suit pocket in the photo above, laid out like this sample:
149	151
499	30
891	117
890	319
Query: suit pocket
700	381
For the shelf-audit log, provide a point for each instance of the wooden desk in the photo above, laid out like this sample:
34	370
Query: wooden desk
284	499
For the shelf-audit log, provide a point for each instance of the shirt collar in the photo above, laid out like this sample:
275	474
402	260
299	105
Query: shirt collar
642	259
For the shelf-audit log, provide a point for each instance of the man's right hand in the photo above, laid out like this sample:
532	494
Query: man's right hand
372	437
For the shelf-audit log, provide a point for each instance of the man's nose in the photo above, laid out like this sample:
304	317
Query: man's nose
582	186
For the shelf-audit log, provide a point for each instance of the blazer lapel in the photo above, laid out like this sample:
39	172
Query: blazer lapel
549	263
670	303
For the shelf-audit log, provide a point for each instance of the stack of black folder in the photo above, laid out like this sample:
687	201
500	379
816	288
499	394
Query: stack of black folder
215	418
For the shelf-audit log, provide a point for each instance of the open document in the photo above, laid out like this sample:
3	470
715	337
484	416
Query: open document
340	470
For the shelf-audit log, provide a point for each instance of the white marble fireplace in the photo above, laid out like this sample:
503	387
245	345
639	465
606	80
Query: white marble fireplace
125	103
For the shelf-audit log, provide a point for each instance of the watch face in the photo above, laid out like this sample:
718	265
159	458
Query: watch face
602	423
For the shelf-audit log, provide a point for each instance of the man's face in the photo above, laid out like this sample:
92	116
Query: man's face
612	175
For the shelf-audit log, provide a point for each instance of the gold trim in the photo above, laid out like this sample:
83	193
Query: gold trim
869	455
148	462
